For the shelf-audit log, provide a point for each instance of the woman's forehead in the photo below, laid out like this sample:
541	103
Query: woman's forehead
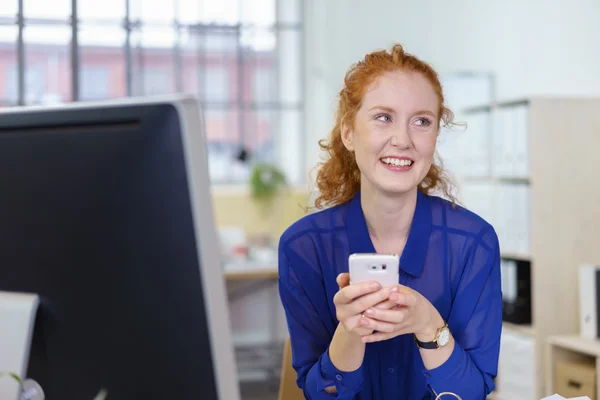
401	89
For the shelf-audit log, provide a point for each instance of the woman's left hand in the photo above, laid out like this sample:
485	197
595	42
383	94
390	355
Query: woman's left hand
413	314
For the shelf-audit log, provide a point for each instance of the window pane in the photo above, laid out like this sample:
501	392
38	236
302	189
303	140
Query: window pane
9	8
9	91
223	137
216	83
223	12
210	66
290	66
60	9
259	134
191	63
89	10
262	75
222	126
258	12
48	65
153	61
258	39
152	10
289	145
102	58
289	11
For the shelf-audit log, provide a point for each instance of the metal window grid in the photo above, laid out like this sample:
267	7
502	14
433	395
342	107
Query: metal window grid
130	26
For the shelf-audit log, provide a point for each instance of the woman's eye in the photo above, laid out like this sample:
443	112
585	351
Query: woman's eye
423	122
384	118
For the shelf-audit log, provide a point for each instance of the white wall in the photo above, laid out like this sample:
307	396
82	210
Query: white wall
534	47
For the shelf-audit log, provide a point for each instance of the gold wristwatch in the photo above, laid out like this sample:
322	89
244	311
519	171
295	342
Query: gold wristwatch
442	337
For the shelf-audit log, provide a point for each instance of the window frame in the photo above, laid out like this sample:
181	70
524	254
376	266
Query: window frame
244	106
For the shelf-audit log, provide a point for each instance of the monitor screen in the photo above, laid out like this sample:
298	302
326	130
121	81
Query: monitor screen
106	215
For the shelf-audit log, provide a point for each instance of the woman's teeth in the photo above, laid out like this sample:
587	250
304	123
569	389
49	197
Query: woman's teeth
396	162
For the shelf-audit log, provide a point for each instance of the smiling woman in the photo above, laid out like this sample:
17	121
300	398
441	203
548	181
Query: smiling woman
379	90
435	331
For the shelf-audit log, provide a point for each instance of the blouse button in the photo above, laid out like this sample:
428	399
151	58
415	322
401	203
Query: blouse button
338	377
391	370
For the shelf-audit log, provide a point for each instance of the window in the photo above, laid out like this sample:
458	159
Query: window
95	83
241	58
216	84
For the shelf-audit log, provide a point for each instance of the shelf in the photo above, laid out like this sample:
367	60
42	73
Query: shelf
252	274
516	256
499	104
576	343
522	329
496	179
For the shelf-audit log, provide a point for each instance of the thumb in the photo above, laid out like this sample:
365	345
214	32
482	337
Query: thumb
343	280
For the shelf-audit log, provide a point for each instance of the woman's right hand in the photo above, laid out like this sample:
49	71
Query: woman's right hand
351	301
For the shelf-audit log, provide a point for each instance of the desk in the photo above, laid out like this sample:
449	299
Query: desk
242	282
261	273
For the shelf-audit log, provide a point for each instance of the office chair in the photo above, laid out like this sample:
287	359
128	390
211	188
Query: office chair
288	389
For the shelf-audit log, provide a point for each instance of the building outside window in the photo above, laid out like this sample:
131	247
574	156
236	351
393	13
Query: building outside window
241	58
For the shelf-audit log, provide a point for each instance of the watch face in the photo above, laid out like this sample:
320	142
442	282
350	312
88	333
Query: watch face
444	337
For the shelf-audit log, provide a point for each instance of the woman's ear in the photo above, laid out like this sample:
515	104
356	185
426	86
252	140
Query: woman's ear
347	136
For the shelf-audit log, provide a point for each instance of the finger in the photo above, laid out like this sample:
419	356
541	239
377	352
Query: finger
367	301
404	299
349	293
393	316
343	280
362	331
380	336
379	326
387	305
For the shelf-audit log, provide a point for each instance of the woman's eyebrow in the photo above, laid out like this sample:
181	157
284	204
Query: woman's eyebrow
382	108
392	111
426	112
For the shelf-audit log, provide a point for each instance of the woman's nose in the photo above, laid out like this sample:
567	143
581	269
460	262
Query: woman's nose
400	138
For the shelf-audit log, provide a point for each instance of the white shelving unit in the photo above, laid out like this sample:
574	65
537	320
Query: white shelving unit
571	348
530	167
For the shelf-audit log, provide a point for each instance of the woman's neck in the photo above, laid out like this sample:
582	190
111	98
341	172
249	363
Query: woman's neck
388	218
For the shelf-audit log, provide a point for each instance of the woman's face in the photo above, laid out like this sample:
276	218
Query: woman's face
395	132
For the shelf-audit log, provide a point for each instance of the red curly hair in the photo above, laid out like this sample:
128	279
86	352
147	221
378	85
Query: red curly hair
338	179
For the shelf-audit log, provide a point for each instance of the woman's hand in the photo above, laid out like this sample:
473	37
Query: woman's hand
412	313
351	301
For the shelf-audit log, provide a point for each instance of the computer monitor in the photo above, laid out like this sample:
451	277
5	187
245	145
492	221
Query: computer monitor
105	213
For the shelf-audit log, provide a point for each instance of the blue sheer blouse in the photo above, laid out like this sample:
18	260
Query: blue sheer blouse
451	257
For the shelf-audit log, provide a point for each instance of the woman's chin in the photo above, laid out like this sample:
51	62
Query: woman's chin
397	188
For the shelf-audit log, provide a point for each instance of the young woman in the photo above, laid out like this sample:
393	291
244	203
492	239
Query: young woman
436	331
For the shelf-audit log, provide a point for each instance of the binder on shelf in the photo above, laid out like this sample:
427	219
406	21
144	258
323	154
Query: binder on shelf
476	145
499	143
516	291
510	142
521	141
478	197
589	299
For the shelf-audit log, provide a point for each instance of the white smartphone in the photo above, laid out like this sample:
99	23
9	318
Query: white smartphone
382	268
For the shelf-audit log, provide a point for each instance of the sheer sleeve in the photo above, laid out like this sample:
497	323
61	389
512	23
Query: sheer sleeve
311	335
476	324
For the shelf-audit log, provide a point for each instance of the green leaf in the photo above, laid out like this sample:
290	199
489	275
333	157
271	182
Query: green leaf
12	375
265	181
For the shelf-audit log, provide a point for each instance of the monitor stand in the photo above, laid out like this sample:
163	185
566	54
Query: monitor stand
17	313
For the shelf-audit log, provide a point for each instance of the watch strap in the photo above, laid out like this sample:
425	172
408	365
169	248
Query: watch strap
434	343
426	345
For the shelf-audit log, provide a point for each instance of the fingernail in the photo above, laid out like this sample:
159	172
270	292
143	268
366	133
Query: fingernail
364	322
369	312
394	297
365	340
393	289
374	285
